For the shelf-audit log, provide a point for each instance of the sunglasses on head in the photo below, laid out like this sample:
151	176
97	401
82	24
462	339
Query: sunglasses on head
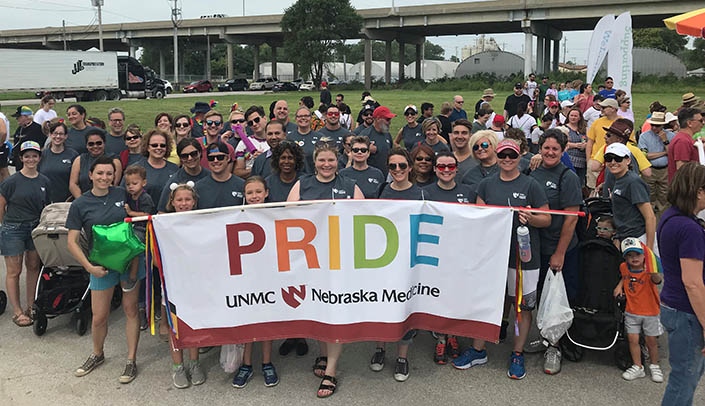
94	143
255	120
401	166
423	158
446	167
132	137
192	155
219	157
157	145
483	145
613	157
363	150
182	125
238	121
213	122
507	154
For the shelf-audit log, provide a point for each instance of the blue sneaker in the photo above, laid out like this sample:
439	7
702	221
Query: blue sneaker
516	366
243	375
469	358
270	375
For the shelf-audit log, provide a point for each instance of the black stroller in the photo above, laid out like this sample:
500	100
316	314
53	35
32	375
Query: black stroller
62	287
3	301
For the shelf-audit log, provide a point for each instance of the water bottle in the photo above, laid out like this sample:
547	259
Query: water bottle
524	240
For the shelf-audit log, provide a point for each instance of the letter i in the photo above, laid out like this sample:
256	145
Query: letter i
334	242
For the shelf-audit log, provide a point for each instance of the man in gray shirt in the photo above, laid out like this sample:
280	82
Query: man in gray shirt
333	130
380	139
222	188
114	141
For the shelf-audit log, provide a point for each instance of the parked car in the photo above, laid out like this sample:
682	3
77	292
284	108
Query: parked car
297	82
167	86
232	85
285	87
265	83
198	86
307	85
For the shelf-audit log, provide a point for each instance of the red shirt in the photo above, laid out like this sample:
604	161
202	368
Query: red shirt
641	293
681	148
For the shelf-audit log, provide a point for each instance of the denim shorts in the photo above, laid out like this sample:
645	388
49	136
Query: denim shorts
16	238
114	277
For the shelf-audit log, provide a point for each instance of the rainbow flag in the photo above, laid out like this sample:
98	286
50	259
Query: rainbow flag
652	263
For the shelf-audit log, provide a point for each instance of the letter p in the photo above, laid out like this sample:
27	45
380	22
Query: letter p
236	249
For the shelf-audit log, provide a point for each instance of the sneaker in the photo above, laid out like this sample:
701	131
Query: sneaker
440	357
197	374
243	375
128	285
516	366
301	347
270	375
130	372
470	358
453	348
401	371
377	362
179	377
656	373
634	372
91	363
286	346
552	361
503	331
535	346
143	319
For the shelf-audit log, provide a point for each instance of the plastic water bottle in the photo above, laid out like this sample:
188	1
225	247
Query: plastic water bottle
524	240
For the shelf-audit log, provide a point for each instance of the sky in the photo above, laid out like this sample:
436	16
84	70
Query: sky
50	13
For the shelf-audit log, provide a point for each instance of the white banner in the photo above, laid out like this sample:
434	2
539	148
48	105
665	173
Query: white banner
343	271
619	58
599	45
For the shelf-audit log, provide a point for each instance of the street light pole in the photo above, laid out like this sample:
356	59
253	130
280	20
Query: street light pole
176	20
99	4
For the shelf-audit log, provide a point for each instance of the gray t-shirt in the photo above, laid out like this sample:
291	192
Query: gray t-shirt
474	176
437	147
465	166
359	129
335	135
212	193
412	193
563	189
25	197
157	178
278	189
57	167
461	193
384	145
410	137
89	210
520	192
262	165
310	188
178	177
308	143
76	139
368	180
629	190
114	145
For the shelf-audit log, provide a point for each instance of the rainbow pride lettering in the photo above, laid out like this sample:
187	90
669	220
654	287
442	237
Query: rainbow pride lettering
360	225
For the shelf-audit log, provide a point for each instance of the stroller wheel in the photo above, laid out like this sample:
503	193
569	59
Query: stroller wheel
81	325
3	301
40	324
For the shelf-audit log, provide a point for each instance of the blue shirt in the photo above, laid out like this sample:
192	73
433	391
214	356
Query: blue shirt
651	142
457	114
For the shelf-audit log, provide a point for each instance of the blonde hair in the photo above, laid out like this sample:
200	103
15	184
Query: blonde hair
181	186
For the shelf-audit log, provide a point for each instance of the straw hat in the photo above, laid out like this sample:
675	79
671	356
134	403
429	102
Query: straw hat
488	93
658	118
689	98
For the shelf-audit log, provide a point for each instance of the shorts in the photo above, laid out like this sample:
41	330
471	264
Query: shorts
530	282
4	155
651	325
114	277
16	238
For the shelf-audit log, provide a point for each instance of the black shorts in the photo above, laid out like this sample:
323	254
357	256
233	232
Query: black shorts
4	152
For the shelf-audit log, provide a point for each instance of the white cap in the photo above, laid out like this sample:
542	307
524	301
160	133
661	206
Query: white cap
566	103
618	149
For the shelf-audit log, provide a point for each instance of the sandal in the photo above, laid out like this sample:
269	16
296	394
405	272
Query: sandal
319	366
28	313
327	387
22	320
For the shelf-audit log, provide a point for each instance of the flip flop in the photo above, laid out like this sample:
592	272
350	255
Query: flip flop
20	323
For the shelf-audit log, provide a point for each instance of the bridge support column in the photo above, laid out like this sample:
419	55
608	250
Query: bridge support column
274	62
133	51
419	60
387	62
556	54
255	74
547	56
208	58
368	64
162	64
528	53
231	68
402	61
540	56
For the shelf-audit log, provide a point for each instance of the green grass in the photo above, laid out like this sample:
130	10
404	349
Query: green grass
142	112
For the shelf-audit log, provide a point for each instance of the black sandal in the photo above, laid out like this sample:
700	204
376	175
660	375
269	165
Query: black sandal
319	366
329	387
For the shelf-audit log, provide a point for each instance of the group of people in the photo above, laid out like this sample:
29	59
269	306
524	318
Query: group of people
209	159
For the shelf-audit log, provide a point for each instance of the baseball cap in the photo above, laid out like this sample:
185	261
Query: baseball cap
566	103
609	103
23	111
554	103
508	144
30	146
383	112
368	107
498	119
631	244
216	148
518	85
618	149
412	108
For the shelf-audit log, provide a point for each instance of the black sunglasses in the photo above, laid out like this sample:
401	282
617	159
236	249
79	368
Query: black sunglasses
253	121
509	154
613	157
133	137
401	165
182	125
423	158
219	157
213	122
192	155
94	143
157	145
238	121
363	150
483	145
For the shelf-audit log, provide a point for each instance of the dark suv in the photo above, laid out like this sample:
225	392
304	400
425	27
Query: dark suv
232	85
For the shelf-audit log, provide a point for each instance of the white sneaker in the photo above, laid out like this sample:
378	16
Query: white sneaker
552	361
656	373
634	372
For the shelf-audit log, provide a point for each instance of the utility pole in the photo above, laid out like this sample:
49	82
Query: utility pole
63	32
99	4
176	20
565	46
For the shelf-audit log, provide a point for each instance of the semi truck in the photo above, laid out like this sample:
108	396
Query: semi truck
85	75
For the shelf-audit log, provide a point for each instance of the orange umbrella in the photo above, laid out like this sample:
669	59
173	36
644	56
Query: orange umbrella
692	23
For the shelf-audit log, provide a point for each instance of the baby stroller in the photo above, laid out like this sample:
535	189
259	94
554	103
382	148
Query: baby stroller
62	287
3	301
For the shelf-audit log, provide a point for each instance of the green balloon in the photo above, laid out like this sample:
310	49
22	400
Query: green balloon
114	246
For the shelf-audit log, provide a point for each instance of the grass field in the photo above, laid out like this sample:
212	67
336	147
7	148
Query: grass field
142	112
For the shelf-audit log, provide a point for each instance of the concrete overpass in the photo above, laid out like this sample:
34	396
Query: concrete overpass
544	19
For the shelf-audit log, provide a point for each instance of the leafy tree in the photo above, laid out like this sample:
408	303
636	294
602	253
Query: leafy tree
314	29
356	52
695	58
659	38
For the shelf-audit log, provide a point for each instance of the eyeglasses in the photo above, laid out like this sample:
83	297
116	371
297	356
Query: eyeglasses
460	102
116	120
255	120
363	150
446	167
401	166
423	158
133	137
213	123
94	143
55	133
613	157
238	121
182	125
483	145
508	154
303	116
331	114
157	145
219	157
192	155
604	229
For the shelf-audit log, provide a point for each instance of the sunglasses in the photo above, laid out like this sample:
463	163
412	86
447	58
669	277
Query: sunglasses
213	123
483	145
182	125
509	154
363	150
613	157
255	120
157	145
367	114
409	114
401	166
192	155
94	143
133	137
423	158
238	121
446	167
219	157
460	102
332	114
